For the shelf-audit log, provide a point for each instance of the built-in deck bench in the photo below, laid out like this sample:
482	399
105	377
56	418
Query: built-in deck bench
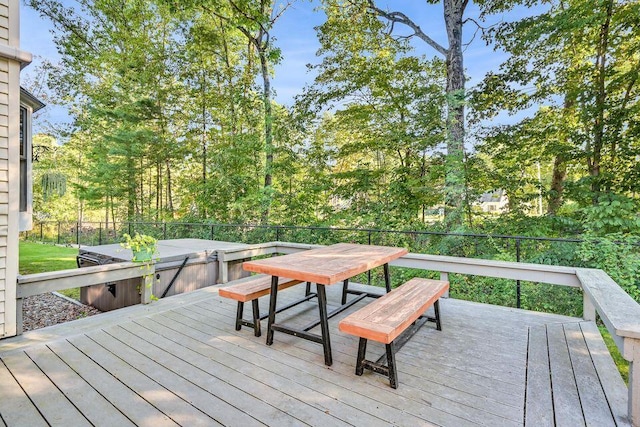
389	316
252	289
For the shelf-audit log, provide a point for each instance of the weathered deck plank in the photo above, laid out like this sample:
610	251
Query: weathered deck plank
323	385
51	403
566	402
132	405
180	361
165	400
247	394
98	411
614	387
344	377
594	403
539	410
459	402
15	406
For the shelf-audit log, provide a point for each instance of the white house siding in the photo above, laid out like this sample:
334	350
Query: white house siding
11	60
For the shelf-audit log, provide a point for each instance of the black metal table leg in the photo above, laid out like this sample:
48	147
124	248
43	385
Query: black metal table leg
272	308
345	290
387	277
362	353
324	324
436	308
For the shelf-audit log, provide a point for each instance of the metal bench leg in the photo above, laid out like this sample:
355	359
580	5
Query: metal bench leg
307	292
256	318
436	308
391	363
345	289
362	351
239	315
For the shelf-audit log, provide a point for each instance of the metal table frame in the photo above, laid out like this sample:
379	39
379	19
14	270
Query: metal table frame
324	315
323	266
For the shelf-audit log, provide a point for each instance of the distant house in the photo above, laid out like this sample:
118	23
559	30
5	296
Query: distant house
493	201
12	151
29	104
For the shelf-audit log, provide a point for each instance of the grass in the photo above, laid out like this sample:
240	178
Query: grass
40	258
623	365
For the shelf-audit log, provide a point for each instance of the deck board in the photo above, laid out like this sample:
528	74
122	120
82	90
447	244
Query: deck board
594	404
129	403
180	361
51	403
15	405
98	411
459	402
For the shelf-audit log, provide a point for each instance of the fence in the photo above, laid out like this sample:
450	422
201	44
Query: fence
540	250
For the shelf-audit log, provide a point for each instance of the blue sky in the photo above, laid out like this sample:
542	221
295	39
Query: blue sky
296	37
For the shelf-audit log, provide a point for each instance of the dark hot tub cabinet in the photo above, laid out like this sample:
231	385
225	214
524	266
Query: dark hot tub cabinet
182	265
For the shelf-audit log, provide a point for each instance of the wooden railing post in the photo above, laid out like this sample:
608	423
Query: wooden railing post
148	279
588	309
19	318
634	382
445	276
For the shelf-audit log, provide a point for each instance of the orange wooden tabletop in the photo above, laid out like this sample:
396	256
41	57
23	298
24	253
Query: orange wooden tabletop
327	265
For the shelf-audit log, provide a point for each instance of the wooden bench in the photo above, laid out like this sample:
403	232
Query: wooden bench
387	317
252	289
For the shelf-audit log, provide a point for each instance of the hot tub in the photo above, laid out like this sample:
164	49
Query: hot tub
182	265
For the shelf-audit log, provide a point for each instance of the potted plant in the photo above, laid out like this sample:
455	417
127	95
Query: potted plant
142	246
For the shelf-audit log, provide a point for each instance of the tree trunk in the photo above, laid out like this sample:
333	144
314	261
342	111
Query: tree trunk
454	164
131	187
556	192
268	132
601	97
169	190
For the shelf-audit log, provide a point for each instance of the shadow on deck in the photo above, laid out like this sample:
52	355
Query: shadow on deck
180	361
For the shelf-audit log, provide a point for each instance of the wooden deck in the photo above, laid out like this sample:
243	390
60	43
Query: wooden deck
180	361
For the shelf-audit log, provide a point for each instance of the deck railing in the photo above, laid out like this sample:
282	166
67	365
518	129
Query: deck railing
42	283
539	250
602	296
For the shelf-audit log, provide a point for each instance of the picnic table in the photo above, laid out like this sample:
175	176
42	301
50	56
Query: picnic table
323	266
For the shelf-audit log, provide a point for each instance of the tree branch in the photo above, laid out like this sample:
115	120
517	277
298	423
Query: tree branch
401	18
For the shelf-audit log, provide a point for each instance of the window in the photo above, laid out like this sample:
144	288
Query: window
24	149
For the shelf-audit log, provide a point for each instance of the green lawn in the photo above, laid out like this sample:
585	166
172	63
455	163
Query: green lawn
39	258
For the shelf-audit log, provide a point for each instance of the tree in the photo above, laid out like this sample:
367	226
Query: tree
117	75
579	60
389	122
255	20
455	181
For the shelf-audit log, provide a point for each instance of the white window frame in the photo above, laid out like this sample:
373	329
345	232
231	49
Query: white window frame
25	214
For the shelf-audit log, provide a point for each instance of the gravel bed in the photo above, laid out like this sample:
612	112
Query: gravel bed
44	310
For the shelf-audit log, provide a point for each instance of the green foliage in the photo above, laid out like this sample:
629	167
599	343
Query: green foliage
143	247
573	63
617	254
612	214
